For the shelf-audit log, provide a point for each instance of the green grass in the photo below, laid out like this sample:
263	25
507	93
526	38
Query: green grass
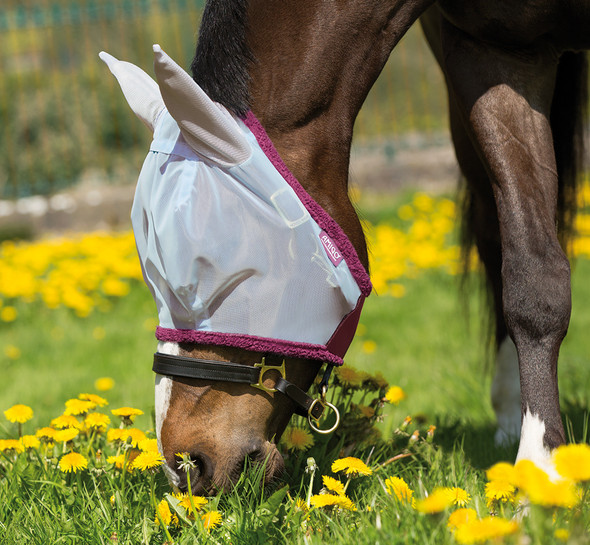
425	343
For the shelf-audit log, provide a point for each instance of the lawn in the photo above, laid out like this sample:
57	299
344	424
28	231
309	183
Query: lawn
416	332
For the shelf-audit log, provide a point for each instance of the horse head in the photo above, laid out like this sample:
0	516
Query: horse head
248	241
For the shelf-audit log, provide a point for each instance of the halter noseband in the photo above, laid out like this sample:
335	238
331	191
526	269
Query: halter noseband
306	406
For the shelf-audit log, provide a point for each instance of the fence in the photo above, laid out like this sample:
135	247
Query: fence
62	118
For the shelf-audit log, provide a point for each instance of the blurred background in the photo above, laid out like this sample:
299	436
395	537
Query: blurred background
68	141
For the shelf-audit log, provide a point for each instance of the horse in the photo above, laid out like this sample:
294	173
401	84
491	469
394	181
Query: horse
296	74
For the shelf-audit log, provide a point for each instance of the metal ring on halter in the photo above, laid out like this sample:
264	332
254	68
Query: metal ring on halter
310	419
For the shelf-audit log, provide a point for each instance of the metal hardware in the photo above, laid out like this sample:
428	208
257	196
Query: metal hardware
310	419
263	370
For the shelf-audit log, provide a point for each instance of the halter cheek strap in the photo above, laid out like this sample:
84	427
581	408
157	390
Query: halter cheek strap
179	366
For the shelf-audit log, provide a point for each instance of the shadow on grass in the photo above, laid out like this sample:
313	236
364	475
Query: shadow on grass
476	441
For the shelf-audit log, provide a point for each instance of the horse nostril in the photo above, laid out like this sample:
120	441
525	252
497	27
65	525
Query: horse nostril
198	470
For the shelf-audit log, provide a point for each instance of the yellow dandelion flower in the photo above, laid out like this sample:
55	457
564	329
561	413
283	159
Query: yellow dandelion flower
165	514
96	399
118	461
97	421
12	352
211	519
45	433
376	382
437	501
65	435
459	496
394	395
147	460
66	421
499	491
295	438
460	517
8	314
369	346
397	487
117	434
127	413
539	488
7	445
300	505
104	384
184	501
562	534
333	485
132	435
30	441
348	376
332	500
72	462
573	461
78	407
480	531
502	471
148	445
19	414
351	466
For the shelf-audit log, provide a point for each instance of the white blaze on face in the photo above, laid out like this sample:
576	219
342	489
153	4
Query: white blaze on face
531	444
163	391
506	394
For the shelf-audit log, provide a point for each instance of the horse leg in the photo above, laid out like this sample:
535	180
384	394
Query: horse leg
505	100
480	227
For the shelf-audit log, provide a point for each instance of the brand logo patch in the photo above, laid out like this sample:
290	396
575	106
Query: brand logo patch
331	249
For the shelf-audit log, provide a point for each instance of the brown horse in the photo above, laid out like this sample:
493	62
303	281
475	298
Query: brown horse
304	70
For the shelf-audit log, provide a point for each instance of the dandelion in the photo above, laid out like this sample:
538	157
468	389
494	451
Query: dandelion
394	395
65	435
460	517
7	445
8	314
499	491
12	352
147	460
127	414
300	505
96	399
163	513
185	501
351	466
573	462
104	384
562	534
369	346
78	407
46	434
19	414
397	487
540	490
148	445
437	501
118	461
66	421
348	376
211	520
502	471
366	412
332	500
295	438
375	382
30	441
459	496
72	462
480	531
133	436
97	421
333	485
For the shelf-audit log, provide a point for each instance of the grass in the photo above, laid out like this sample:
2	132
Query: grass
423	342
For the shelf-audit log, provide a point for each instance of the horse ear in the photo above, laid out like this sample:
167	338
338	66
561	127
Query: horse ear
141	91
208	128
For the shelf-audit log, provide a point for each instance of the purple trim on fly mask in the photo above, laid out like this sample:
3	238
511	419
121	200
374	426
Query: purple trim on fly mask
254	344
340	340
321	217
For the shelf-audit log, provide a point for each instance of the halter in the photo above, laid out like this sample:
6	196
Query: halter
305	405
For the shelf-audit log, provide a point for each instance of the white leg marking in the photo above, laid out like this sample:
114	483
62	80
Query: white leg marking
163	391
531	444
506	394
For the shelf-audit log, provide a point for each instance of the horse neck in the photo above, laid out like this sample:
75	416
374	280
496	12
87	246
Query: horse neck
315	63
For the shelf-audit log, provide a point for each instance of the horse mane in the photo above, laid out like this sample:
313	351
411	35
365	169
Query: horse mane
222	58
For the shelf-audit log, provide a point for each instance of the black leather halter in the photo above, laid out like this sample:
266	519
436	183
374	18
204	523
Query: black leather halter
181	366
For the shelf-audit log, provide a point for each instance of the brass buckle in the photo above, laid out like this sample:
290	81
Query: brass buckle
263	370
313	423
